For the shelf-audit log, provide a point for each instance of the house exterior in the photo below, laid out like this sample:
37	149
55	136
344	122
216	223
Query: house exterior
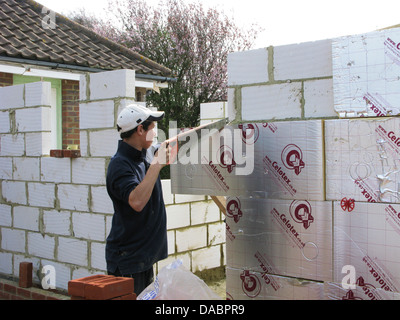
61	89
39	44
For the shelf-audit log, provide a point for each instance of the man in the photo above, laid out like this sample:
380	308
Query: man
138	236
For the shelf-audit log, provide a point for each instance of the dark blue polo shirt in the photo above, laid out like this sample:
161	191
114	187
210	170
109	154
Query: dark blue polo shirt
137	240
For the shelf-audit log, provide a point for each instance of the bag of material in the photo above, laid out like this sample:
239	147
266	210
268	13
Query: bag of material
174	282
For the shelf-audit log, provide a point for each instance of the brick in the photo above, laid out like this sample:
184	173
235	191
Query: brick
76	287
56	153
38	94
33	119
131	296
38	143
248	67
303	60
26	169
25	274
27	294
12	145
12	97
99	114
278	101
89	171
112	84
105	289
71	153
10	288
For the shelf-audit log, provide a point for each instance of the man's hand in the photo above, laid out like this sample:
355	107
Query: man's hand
167	153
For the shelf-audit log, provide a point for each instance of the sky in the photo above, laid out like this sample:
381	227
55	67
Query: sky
284	21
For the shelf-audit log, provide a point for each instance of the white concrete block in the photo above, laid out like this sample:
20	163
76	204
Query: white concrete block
101	201
108	224
41	246
166	187
216	233
278	101
83	88
41	194
12	145
13	240
14	191
204	212
55	169
12	97
98	260
212	110
26	169
183	198
171	241
63	273
318	96
112	84
303	60
6	263
99	114
26	218
89	170
207	258
82	272
38	94
57	222
178	216
83	136
73	197
72	251
88	226
103	143
191	238
5	215
39	143
33	119
4	122
248	67
6	168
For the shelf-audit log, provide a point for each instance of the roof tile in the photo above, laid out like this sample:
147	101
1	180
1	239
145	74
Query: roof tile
22	35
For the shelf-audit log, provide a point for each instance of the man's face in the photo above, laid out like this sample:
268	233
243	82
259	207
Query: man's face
149	136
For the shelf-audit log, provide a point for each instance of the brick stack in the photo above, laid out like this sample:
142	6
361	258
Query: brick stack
102	287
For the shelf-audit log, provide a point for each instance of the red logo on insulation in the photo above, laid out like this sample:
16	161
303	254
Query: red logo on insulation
301	212
347	204
233	209
292	158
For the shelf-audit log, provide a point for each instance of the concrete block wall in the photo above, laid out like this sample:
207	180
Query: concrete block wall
56	211
280	83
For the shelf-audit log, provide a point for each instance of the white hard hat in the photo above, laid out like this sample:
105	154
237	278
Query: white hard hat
133	115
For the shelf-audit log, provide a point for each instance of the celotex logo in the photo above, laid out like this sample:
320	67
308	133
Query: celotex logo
226	158
300	211
250	133
251	285
292	158
233	209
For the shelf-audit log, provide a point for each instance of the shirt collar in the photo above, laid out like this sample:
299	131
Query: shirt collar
131	152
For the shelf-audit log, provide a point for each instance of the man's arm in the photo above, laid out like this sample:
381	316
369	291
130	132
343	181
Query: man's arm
139	196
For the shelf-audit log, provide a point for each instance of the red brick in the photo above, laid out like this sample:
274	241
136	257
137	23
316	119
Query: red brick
24	293
71	153
10	288
38	296
109	288
25	274
57	153
76	287
131	296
